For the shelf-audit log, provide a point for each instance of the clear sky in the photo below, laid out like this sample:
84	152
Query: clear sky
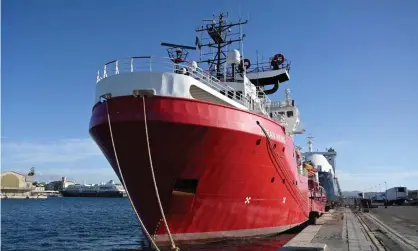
354	75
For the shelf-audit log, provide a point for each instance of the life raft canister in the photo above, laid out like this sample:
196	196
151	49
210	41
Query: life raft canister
247	64
277	60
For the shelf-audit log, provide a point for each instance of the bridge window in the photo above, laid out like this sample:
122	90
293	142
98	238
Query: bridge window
238	95
289	114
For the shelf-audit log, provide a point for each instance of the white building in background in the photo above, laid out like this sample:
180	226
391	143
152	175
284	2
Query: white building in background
58	185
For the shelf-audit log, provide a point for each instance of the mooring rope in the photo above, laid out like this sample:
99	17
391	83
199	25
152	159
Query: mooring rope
173	245
123	181
284	171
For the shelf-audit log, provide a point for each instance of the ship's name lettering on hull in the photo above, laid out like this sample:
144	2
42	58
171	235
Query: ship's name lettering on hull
275	136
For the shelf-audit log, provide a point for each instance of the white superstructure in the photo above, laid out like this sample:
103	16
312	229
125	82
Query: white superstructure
230	79
160	76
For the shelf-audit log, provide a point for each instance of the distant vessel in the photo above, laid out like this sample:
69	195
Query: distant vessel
325	164
318	195
110	189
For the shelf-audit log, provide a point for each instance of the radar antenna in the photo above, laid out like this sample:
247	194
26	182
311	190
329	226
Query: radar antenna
330	149
178	53
220	35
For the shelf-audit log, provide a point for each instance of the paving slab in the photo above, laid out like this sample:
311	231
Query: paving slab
393	228
338	230
402	219
305	247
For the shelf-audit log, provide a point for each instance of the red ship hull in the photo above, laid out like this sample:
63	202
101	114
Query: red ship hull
215	176
318	205
318	198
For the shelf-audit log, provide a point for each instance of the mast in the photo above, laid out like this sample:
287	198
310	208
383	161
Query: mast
310	143
220	35
241	36
288	99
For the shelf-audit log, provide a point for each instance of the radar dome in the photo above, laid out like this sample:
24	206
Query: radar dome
194	65
234	57
320	162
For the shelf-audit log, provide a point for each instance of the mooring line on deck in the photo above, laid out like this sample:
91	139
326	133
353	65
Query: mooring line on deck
286	174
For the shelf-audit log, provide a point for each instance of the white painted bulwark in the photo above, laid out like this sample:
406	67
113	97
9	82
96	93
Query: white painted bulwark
162	84
163	77
267	74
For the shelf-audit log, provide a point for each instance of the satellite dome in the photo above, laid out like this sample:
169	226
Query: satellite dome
234	57
320	162
194	65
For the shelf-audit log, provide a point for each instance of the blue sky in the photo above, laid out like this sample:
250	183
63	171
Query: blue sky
354	75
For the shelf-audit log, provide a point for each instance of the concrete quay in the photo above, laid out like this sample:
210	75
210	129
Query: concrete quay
395	226
11	196
337	230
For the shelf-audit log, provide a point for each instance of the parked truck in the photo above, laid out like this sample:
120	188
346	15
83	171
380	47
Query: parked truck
396	195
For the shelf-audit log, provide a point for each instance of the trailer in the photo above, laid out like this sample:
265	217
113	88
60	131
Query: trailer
396	195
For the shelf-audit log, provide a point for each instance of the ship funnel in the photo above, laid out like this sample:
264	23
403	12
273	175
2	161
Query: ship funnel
234	57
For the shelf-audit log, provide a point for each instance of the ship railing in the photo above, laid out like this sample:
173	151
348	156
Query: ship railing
265	102
166	64
280	104
266	66
277	104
